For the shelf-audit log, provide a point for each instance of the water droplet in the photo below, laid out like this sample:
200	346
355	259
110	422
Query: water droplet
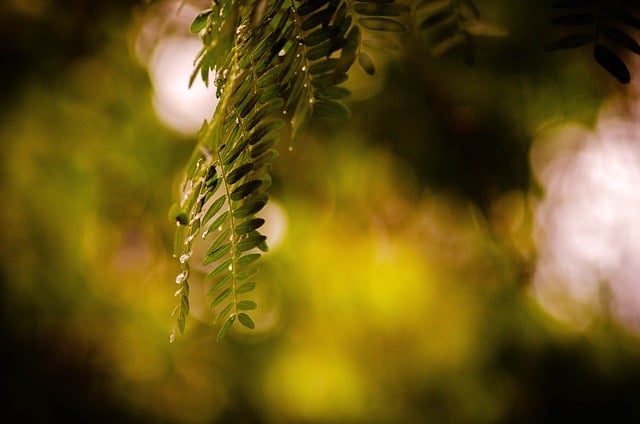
230	267
205	233
291	148
180	278
312	100
304	68
305	85
185	257
220	228
284	112
177	292
172	337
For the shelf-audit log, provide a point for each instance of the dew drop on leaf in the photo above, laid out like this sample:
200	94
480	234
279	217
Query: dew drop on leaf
180	278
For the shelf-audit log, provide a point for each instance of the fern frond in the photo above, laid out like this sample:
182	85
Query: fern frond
450	24
603	23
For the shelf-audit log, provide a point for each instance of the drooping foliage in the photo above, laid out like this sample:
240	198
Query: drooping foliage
607	25
449	24
275	65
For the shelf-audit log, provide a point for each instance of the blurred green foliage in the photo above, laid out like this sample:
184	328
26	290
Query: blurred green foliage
399	293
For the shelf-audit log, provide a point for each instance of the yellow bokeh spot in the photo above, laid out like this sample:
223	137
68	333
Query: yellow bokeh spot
315	384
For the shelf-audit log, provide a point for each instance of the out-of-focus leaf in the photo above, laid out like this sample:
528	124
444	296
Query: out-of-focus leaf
622	16
331	109
570	41
620	37
366	63
612	63
383	24
178	215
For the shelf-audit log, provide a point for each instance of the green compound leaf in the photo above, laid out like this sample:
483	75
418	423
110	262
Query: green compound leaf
251	242
275	70
200	21
248	259
214	209
246	320
219	284
239	172
247	305
223	313
225	327
217	253
222	296
332	109
245	189
249	225
249	209
246	288
218	270
246	274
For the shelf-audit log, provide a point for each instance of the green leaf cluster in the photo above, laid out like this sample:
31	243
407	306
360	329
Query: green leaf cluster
449	24
607	25
276	64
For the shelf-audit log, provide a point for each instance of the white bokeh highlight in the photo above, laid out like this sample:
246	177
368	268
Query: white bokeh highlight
587	228
180	107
